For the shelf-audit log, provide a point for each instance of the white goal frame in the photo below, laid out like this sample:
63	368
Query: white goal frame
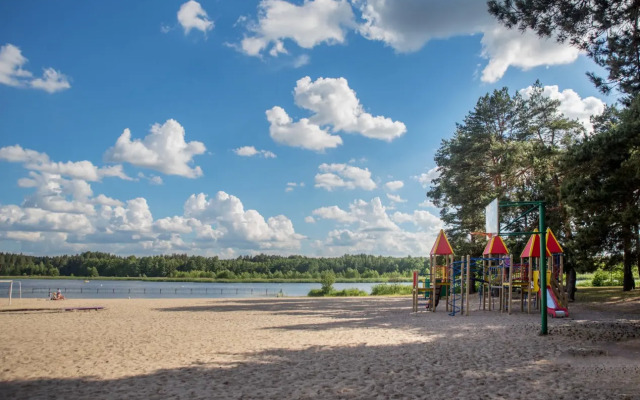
10	282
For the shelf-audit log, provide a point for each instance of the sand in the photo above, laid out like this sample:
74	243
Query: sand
303	348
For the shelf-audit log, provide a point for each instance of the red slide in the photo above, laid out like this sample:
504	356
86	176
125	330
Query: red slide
553	308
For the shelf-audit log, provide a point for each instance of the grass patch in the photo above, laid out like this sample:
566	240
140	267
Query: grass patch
394	289
606	294
350	292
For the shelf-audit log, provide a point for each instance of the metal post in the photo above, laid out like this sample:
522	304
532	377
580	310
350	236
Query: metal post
468	283
543	271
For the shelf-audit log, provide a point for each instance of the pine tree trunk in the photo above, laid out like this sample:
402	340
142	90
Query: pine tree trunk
628	282
571	284
638	247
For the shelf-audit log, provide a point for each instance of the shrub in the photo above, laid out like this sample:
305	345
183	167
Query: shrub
328	278
392	289
350	292
608	278
600	278
225	274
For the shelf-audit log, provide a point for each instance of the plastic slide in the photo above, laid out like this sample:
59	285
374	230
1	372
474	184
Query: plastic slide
553	308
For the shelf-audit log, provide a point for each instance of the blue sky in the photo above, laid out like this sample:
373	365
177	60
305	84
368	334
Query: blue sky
240	127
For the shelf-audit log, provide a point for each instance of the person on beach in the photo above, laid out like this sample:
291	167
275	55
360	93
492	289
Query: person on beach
57	295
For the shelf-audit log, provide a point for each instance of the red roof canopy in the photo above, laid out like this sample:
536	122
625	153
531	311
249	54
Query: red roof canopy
441	247
553	246
532	249
495	246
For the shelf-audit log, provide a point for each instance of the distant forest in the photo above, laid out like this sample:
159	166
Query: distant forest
95	264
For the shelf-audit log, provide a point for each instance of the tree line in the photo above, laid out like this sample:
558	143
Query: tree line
262	266
520	147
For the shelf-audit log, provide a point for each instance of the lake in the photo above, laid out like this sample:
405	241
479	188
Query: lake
115	289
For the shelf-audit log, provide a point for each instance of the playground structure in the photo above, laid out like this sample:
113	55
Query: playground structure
494	276
557	299
439	277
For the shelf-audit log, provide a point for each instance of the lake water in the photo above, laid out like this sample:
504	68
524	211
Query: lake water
116	289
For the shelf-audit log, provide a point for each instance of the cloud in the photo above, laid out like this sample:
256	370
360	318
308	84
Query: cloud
334	103
192	16
36	161
394	185
423	219
309	24
335	109
335	213
250	151
52	81
293	185
242	228
12	73
62	214
571	104
107	201
31	219
54	193
135	216
427	204
367	227
335	176
395	198
407	25
163	149
425	178
505	48
309	219
302	134
301	61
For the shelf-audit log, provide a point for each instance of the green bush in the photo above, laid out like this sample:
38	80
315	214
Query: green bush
350	292
328	278
225	274
599	278
608	278
391	289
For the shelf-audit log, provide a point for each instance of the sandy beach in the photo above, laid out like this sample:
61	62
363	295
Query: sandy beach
302	348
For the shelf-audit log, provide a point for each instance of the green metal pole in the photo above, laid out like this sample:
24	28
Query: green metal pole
543	270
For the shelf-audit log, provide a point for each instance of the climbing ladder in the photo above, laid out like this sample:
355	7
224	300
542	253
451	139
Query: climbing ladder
456	288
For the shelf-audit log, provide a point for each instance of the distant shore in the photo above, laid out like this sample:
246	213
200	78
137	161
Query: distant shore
213	280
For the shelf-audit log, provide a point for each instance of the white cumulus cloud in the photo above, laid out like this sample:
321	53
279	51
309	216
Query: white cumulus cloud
335	108
394	185
425	178
571	104
36	161
395	198
52	81
13	74
335	176
250	151
191	15
164	149
302	134
335	104
308	24
407	25
509	47
244	228
368	227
